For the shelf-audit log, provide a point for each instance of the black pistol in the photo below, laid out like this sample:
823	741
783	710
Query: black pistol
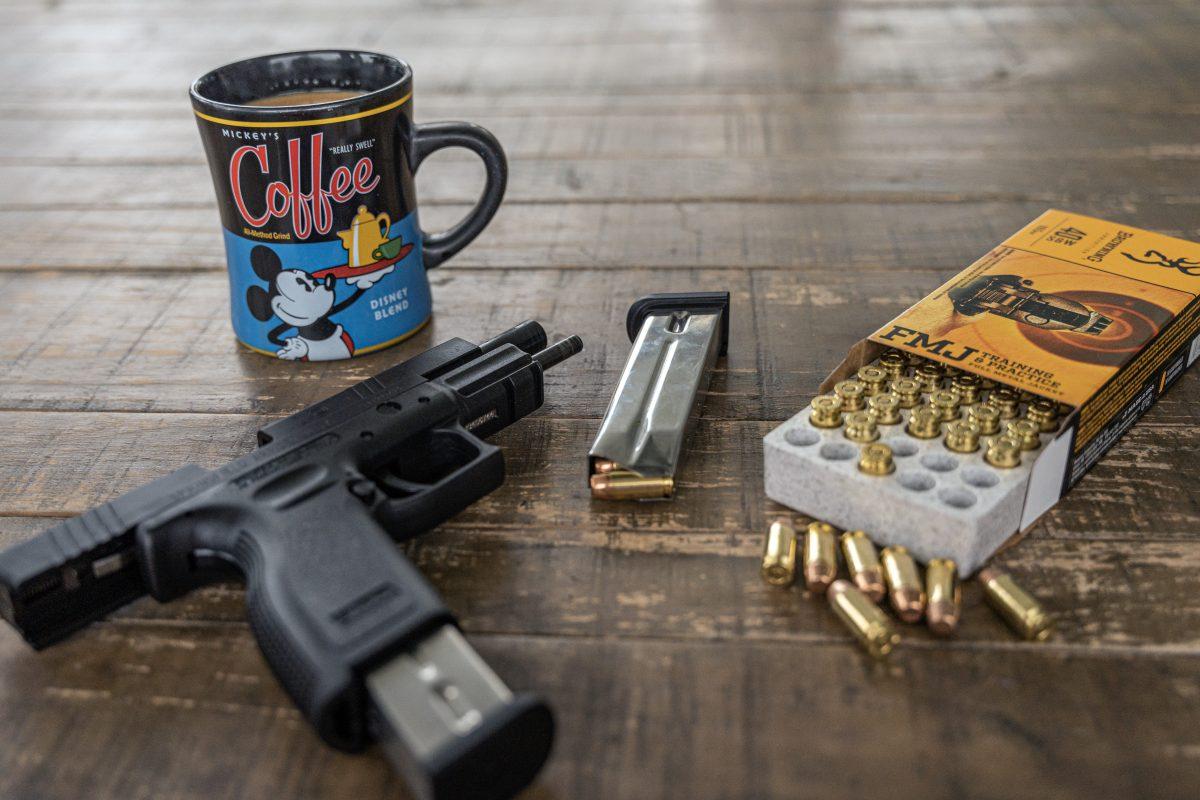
361	642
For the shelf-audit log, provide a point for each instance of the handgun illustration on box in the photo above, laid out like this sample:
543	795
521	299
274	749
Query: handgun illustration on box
1011	296
354	633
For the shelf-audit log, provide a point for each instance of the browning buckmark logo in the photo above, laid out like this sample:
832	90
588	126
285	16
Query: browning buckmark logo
1156	259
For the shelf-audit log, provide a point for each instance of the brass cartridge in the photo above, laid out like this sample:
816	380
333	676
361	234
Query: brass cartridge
820	556
826	411
986	416
602	467
886	408
1005	400
876	459
945	403
860	427
779	554
924	423
930	376
1018	608
863	563
873	378
908	390
894	364
945	596
905	589
864	619
624	485
967	386
962	436
852	393
1024	431
1044	414
1003	452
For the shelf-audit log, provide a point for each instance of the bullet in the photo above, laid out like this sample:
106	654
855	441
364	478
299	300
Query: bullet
945	403
852	393
864	619
630	486
894	364
779	554
1005	400
826	411
924	423
945	596
905	589
886	408
1044	414
962	436
876	459
987	417
1018	608
860	427
863	563
601	467
1024	431
872	378
820	556
930	376
1003	452
968	387
908	391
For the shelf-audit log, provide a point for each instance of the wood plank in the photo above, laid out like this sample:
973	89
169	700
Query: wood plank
135	712
899	47
1113	594
880	177
838	129
164	343
868	238
66	463
1023	102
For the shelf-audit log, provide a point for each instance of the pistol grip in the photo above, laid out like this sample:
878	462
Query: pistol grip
328	596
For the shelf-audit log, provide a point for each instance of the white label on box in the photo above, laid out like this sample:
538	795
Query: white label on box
1046	480
1194	351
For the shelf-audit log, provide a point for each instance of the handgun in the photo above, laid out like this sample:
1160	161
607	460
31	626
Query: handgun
358	638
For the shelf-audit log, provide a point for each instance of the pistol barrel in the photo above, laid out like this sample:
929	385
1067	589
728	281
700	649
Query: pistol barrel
559	352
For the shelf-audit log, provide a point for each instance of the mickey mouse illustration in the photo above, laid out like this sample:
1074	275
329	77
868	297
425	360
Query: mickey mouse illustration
305	303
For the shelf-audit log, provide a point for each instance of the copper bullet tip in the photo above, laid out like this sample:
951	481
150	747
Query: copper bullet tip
943	618
909	604
871	583
818	578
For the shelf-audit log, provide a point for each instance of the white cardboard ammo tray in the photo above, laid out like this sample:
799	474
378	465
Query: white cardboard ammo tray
1097	316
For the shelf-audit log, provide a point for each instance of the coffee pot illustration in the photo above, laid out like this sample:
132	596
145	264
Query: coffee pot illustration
366	234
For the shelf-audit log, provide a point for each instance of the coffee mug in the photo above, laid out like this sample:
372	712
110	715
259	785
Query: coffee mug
312	156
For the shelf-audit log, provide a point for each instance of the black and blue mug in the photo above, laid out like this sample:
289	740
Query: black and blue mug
312	156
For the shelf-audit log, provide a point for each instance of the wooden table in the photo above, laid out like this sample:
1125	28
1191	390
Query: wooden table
827	162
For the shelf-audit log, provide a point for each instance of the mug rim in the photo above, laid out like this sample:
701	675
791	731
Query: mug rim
400	86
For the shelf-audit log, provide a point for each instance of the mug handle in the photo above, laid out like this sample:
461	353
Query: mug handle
434	136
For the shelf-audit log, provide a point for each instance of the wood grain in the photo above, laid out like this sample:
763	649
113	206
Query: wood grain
977	722
827	161
863	236
879	177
